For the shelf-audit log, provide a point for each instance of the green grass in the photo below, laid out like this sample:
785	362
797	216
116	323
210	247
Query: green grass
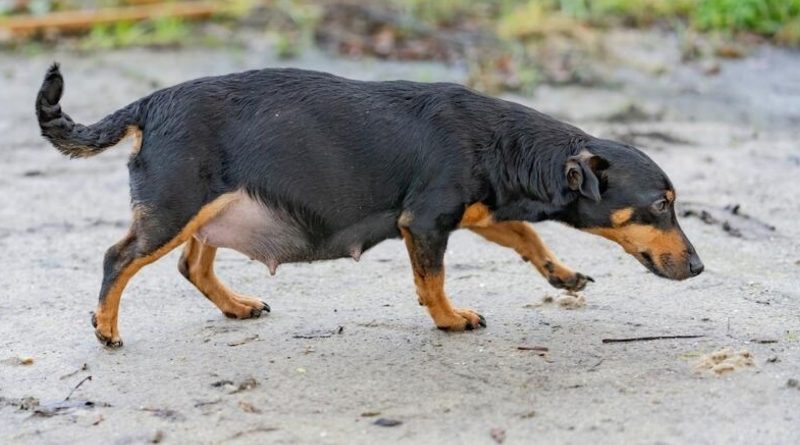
159	32
779	19
632	12
776	19
761	16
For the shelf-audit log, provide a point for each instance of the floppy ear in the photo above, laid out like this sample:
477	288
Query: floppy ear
581	172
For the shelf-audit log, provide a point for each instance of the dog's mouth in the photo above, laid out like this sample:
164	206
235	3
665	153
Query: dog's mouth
647	261
666	267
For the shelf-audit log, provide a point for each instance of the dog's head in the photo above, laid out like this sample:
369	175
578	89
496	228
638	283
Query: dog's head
625	197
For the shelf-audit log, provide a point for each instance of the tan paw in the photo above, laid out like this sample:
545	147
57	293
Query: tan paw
106	335
245	307
562	277
460	320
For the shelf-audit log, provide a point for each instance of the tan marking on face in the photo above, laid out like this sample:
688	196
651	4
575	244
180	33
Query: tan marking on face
476	215
639	238
670	195
621	216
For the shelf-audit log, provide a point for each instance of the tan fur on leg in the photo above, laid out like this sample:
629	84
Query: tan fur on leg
197	264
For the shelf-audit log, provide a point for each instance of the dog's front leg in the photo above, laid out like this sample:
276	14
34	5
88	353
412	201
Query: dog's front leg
426	249
525	241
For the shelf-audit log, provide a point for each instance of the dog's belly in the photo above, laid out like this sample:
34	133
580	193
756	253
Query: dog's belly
273	236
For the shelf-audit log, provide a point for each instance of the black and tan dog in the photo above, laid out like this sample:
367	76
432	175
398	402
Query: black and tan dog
286	165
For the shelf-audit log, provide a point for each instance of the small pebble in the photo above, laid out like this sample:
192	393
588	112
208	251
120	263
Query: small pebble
387	422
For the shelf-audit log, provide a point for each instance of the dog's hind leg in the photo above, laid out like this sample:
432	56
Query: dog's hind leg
197	265
152	235
525	241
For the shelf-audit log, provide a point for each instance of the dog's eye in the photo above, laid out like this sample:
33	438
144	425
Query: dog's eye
661	206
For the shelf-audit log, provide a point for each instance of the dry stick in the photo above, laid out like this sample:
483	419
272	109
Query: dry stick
88	377
533	348
83	367
83	20
656	337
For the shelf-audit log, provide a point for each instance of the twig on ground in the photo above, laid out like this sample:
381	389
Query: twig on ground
655	337
82	368
88	377
533	348
764	341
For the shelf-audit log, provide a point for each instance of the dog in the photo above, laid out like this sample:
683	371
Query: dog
288	165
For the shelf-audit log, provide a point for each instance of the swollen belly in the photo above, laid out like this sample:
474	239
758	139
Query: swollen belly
273	236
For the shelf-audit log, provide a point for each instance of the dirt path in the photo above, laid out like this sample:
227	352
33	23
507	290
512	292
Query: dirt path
347	344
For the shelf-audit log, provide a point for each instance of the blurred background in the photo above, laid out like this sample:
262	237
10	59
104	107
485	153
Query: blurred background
502	45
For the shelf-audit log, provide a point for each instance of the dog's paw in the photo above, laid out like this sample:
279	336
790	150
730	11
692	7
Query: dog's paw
259	309
106	339
243	308
575	281
461	320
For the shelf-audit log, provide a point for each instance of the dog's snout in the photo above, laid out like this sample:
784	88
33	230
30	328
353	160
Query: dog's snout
696	266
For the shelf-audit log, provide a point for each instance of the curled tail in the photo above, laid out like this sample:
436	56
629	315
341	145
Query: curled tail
76	140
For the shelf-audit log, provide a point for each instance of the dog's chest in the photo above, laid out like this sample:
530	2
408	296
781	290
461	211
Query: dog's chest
273	236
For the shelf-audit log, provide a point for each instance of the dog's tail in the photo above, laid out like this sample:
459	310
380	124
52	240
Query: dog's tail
76	140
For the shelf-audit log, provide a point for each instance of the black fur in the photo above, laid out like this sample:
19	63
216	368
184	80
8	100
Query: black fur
76	140
346	158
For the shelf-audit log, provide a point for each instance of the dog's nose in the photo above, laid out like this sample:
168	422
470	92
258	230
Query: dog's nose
695	265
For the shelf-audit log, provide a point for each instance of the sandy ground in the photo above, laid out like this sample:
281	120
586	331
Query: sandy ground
347	344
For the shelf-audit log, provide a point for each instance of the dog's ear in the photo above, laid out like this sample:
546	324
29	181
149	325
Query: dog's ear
582	172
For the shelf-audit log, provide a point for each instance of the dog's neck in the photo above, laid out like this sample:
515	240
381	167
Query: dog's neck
529	168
